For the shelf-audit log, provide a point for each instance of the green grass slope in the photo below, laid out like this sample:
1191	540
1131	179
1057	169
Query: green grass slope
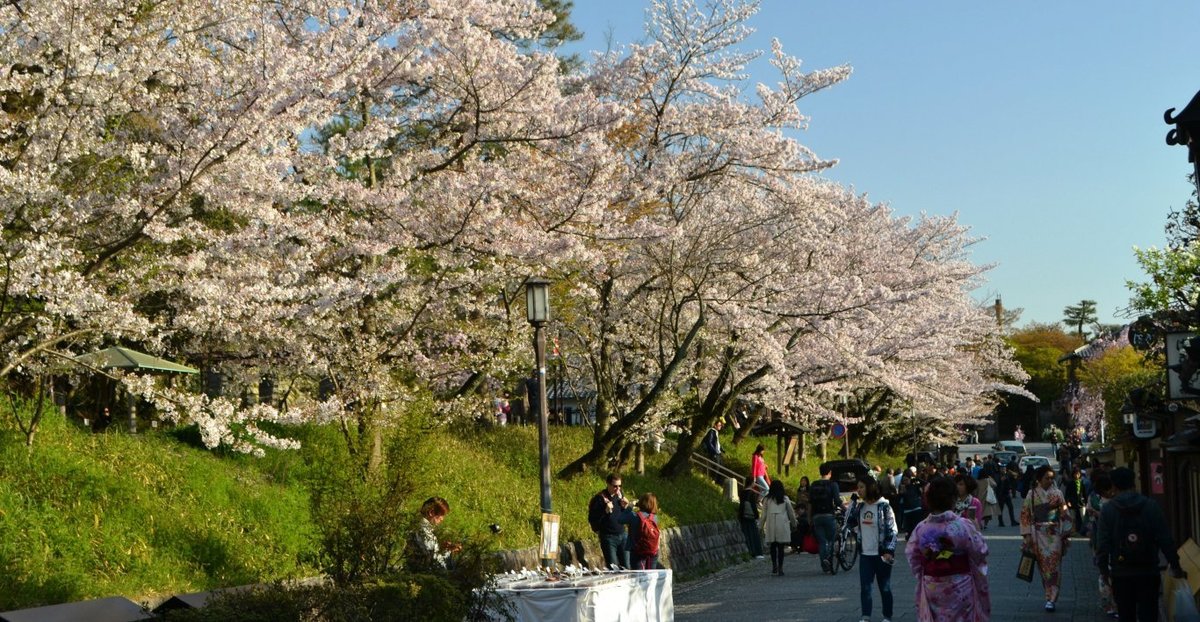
86	516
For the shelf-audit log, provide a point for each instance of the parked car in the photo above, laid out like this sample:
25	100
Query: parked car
929	455
847	472
1034	461
1016	447
1005	457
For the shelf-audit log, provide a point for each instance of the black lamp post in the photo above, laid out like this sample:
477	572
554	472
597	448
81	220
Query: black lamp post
537	308
1187	132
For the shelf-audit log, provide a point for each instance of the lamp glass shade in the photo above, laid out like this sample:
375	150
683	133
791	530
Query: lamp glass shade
537	300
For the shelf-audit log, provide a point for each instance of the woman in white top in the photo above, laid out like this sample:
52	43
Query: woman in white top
876	524
777	521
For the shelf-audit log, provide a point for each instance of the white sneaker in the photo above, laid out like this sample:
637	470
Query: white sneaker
760	557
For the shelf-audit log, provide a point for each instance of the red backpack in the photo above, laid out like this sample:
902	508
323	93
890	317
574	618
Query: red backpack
647	542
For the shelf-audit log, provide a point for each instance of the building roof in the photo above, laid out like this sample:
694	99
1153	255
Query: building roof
117	357
113	609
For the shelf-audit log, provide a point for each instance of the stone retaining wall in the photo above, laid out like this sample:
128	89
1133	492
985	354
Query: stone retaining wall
688	550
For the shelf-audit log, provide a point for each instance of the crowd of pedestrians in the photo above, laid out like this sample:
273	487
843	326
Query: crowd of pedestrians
942	514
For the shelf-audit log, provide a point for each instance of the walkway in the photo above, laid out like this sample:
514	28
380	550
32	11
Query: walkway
749	592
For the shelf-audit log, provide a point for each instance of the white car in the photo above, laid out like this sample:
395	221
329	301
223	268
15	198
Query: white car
1016	447
1035	461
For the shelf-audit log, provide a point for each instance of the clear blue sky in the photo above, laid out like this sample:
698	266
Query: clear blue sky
1039	123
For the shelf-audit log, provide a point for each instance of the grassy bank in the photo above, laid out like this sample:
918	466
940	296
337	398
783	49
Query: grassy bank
87	515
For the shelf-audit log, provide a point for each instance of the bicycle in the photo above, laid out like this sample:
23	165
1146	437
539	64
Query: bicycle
845	543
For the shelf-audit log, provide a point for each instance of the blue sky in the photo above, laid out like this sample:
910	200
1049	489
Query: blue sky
1039	123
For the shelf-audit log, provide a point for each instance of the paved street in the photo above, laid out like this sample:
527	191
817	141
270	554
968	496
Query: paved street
749	591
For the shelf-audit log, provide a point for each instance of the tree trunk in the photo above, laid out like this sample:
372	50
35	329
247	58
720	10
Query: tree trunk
610	442
744	431
680	461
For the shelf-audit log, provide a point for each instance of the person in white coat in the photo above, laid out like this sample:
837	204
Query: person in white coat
777	520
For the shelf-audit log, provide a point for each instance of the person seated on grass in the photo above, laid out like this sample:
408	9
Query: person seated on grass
425	552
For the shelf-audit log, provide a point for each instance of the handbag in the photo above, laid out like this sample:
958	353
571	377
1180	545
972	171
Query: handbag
810	544
1025	566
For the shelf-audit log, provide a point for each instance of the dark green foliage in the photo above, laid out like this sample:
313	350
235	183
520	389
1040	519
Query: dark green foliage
394	598
359	509
1080	315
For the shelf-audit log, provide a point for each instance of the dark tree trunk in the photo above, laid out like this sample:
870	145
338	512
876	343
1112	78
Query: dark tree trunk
744	431
609	442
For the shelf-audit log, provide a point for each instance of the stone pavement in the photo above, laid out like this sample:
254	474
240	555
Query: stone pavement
749	592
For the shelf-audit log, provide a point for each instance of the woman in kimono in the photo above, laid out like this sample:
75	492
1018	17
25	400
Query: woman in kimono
948	556
1045	528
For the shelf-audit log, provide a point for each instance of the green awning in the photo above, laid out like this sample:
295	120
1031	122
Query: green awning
124	358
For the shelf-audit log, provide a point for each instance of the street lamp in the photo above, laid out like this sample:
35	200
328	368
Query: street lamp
537	310
1187	132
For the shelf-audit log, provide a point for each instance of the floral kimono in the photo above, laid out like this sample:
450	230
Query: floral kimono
948	556
1044	515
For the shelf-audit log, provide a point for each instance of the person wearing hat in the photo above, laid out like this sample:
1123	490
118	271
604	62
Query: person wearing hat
1132	531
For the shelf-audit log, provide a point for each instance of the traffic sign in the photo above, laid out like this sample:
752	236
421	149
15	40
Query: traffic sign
838	430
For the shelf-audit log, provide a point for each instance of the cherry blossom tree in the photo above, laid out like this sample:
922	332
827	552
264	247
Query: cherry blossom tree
166	188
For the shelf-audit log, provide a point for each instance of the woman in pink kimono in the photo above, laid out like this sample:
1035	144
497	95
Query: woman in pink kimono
1045	528
948	556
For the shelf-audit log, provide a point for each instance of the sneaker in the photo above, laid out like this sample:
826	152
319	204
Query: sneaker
759	557
1049	607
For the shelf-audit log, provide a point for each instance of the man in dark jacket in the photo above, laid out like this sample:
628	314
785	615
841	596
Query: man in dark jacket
1006	488
607	514
1131	533
712	442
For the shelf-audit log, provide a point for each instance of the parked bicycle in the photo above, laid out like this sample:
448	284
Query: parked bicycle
845	543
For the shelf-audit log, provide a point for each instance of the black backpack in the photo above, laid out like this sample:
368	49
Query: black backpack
821	495
1134	546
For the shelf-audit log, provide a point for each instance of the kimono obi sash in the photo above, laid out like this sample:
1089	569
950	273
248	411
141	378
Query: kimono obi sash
956	564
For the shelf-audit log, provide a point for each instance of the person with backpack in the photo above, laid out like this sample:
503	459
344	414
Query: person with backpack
777	521
825	497
608	513
1045	529
912	508
1131	532
748	519
1102	493
644	533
